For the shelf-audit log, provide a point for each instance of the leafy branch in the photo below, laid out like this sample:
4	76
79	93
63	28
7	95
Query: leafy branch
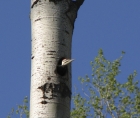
105	96
21	110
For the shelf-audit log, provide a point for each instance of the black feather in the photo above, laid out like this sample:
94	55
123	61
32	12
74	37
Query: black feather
61	70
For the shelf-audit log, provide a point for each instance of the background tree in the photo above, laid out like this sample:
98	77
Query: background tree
22	111
52	24
104	95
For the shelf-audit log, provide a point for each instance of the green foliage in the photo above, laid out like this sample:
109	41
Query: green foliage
22	110
80	111
105	96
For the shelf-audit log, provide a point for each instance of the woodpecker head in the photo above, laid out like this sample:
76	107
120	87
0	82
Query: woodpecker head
61	67
66	61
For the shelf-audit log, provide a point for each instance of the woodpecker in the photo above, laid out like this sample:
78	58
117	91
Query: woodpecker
66	61
62	68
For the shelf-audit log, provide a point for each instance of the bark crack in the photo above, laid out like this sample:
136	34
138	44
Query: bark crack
38	19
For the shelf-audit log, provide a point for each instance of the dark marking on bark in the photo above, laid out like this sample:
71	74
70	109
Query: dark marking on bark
55	89
49	78
51	52
35	2
44	97
55	1
66	31
32	57
62	44
38	19
44	102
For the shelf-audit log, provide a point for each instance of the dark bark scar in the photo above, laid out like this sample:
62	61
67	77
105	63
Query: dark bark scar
44	102
55	89
35	2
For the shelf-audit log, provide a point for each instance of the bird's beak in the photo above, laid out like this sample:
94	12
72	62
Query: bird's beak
72	59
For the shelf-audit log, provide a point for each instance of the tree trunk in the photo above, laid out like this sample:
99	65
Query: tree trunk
52	23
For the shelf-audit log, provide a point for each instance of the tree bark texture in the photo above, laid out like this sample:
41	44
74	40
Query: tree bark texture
52	24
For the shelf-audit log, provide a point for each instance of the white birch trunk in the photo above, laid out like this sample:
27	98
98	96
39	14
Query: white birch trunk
52	28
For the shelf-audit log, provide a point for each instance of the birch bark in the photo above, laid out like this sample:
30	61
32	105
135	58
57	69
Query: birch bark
52	23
